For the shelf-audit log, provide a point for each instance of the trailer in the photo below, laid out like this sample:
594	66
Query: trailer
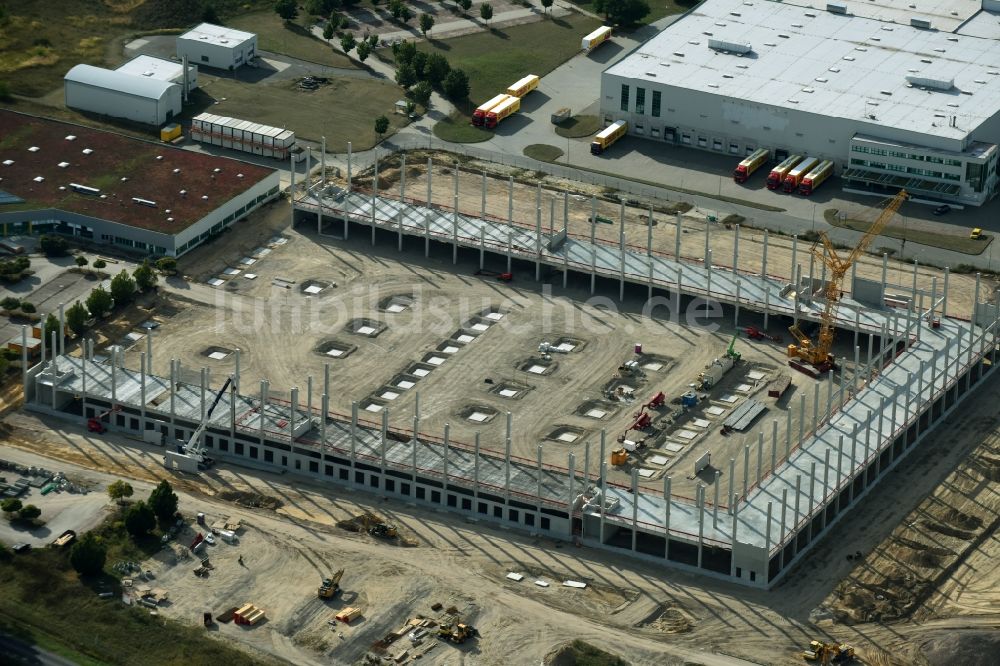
595	39
815	178
608	136
751	163
508	107
795	176
479	115
524	86
778	173
245	136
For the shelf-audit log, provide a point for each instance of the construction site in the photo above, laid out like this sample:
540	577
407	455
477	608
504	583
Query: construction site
642	380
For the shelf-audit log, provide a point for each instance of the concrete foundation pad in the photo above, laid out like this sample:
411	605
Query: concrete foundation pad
715	411
755	375
658	460
436	360
646	473
537	369
673	448
421	372
701	423
685	434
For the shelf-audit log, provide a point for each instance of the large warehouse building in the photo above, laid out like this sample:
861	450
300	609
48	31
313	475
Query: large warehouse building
142	99
217	46
113	189
896	96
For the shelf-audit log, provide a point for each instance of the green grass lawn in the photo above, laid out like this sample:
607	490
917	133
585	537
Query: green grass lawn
657	8
344	110
959	242
43	601
292	39
543	152
497	58
458	129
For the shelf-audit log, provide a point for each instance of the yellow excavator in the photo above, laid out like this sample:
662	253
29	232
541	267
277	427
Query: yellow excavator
817	354
456	632
330	586
829	653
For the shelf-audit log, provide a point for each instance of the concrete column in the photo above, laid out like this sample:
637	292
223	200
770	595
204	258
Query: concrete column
446	451
784	510
54	366
736	249
746	469
715	499
604	496
348	166
399	228
635	506
701	521
774	445
142	388
944	294
767	306
767	530
586	465
354	433
538	478
736	307
24	362
812	488
829	394
413	449
802	419
510	218
454	232
788	432
593	248
732	475
325	406
798	497
538	243
760	453
666	517
293	414
603	459
815	419
826	477
202	400
475	469
677	237
763	260
732	565
41	339
483	208
383	436
374	198
621	252
571	465
291	191
482	246
309	396
795	253
173	391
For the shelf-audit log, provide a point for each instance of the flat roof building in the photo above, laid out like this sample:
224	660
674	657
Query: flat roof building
160	69
217	46
109	188
890	103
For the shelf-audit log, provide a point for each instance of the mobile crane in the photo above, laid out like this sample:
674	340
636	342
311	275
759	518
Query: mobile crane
817	354
190	457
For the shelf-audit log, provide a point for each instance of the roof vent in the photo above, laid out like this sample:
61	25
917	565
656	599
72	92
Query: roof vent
170	219
679	54
63	165
707	33
927	61
834	69
8	162
147	73
769	44
793	101
693	42
860	48
887	28
216	170
808	90
34	149
713	85
71	137
810	15
727	76
876	39
144	202
38	179
796	25
953	105
836	7
159	157
886	92
183	193
953	39
782	35
124	179
239	175
83	189
933	84
650	74
849	58
86	151
732	47
924	24
979	81
734	13
177	170
822	79
204	197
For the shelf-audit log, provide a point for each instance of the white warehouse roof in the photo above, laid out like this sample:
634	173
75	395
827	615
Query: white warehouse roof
944	15
826	63
217	34
153	68
139	86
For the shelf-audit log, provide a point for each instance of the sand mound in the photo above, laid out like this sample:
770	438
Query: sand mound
969	648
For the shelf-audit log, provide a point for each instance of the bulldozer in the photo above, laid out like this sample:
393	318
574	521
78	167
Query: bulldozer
377	527
455	631
330	586
829	653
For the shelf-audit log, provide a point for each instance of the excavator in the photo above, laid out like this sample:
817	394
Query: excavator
828	653
456	632
817	354
330	586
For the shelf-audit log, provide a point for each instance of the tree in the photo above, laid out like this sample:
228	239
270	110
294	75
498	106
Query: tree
52	326
426	23
436	69
373	41
396	8
81	260
30	512
139	519
286	9
122	288
486	12
100	302
546	4
364	50
53	245
88	555
167	264
329	28
76	318
11	505
144	276
163	501
10	303
404	53
381	126
465	4
99	264
347	41
622	12
406	14
27	307
419	63
210	15
119	490
456	85
421	93
5	95
405	76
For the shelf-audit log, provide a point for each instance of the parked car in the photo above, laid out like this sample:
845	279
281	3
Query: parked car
209	539
21	547
942	209
976	234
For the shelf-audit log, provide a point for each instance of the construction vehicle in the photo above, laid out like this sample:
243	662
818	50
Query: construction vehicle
751	163
377	527
508	107
595	39
524	86
778	173
330	586
457	632
829	653
815	178
817	354
479	115
96	423
502	277
731	350
608	136
755	333
794	177
190	457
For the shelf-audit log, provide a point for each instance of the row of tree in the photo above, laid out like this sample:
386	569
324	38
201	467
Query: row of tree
421	73
28	512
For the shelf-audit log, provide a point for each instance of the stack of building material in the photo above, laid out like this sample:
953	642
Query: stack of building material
348	614
249	615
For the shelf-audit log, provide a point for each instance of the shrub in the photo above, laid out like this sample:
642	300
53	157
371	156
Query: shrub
53	245
88	555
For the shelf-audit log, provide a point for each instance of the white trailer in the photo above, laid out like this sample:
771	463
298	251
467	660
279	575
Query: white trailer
246	136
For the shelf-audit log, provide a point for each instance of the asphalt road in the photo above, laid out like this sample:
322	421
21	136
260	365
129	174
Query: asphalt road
16	651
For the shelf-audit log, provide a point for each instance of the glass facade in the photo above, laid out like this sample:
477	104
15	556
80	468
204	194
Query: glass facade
656	104
624	97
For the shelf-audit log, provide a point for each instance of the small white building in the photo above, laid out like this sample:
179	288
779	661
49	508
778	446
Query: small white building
141	99
217	46
161	70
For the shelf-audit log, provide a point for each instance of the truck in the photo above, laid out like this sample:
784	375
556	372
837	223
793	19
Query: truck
815	178
750	163
246	136
508	107
524	86
794	177
778	173
608	136
595	39
479	115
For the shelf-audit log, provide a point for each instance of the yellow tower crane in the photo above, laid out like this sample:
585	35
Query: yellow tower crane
818	354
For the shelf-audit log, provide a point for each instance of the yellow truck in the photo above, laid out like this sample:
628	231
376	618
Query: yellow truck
524	86
608	136
595	39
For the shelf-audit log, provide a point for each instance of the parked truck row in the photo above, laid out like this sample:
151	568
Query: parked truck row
796	173
490	113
